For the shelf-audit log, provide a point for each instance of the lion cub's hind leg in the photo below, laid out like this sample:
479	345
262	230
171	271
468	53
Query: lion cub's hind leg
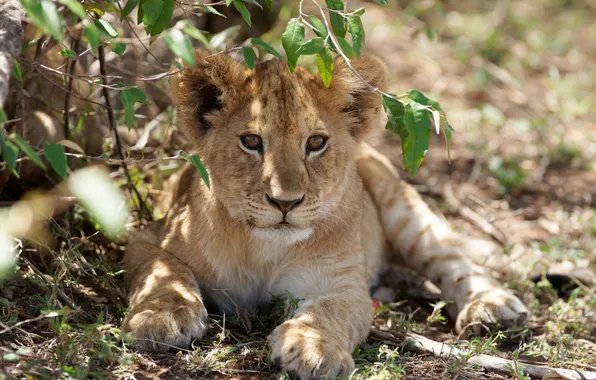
427	244
166	308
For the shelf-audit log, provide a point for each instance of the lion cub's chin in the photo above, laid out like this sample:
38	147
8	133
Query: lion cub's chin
283	234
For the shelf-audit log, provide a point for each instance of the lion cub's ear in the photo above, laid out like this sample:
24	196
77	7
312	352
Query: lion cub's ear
353	97
206	89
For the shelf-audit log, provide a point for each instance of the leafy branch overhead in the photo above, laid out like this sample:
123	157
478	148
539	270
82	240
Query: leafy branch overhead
336	31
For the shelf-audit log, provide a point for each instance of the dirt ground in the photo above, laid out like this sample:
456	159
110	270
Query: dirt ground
517	80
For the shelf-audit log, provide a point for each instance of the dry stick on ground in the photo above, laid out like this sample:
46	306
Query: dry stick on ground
420	344
143	210
473	217
11	37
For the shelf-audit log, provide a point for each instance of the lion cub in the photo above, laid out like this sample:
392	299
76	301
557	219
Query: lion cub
298	204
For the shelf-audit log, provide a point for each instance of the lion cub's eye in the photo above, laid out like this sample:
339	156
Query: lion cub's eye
315	143
252	142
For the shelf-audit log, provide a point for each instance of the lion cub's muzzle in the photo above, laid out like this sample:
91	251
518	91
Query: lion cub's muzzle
284	205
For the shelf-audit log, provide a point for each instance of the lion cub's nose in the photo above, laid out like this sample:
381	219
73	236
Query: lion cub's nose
284	206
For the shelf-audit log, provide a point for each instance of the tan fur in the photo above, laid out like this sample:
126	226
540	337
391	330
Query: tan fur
224	246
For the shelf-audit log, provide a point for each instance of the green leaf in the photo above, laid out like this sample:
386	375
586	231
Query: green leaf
91	34
140	12
265	46
118	47
249	57
325	66
210	9
129	96
195	33
95	191
16	71
75	7
419	97
128	8
28	150
196	162
70	54
358	12
345	47
320	29
165	18
382	2
151	11
395	119
241	7
253	2
157	15
448	130
45	16
395	110
180	45
228	2
3	119
313	46
338	23
357	32
27	45
105	27
55	155
291	40
268	4
417	119
10	153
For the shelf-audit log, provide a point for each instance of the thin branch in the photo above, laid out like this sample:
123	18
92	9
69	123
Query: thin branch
473	217
71	93
144	211
420	344
71	69
344	56
132	29
83	78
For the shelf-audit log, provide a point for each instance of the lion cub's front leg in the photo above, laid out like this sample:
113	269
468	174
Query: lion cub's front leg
335	314
166	309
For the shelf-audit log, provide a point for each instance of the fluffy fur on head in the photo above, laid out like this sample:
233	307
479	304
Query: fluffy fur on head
219	101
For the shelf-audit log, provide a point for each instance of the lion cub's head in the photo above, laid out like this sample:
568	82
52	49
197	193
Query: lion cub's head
279	146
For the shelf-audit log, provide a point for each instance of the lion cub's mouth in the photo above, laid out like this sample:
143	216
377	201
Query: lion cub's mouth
282	232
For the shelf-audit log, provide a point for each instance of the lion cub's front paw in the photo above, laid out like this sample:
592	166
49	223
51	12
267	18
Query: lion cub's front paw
493	308
174	322
305	353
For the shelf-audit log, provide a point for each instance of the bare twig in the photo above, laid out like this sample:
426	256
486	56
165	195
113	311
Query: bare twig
343	55
83	78
144	211
417	343
150	78
11	36
16	325
40	152
473	217
132	29
71	69
71	93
